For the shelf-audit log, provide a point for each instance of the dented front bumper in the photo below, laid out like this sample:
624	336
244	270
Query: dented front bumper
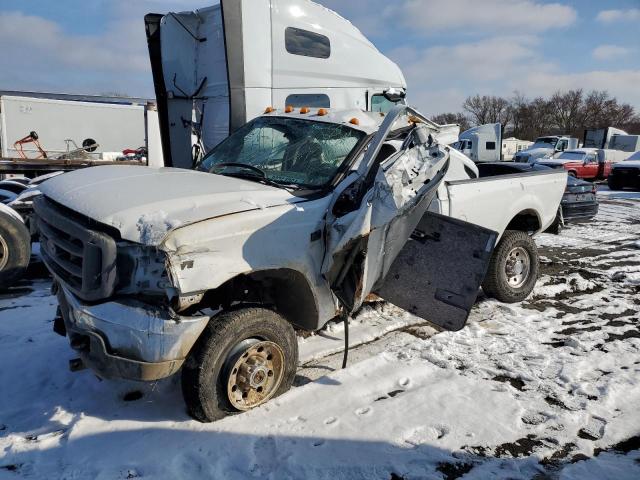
127	338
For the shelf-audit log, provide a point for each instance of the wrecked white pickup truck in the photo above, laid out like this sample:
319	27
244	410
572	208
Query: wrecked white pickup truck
290	222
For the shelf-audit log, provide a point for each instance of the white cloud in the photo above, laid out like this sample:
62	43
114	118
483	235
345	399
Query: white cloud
377	18
474	15
37	54
610	16
440	78
610	52
121	46
115	60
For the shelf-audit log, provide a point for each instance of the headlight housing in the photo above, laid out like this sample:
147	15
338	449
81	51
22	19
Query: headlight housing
141	270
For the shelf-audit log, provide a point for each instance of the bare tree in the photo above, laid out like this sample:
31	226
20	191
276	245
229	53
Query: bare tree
487	109
566	110
569	112
450	117
478	108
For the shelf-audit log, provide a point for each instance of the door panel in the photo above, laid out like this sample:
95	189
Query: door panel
437	274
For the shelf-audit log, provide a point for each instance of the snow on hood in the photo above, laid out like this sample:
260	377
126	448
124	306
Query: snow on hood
145	203
627	163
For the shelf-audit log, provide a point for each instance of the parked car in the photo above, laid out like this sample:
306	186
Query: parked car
291	221
626	174
579	202
581	163
545	147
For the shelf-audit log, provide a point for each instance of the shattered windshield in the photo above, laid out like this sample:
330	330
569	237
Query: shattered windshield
284	151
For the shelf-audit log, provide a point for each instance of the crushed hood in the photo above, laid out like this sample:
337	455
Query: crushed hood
145	203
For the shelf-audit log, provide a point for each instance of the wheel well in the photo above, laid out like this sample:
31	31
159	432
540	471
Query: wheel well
525	221
287	290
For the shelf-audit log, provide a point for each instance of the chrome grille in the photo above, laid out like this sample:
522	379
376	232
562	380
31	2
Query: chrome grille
82	258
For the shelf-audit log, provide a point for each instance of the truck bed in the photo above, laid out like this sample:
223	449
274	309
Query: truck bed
493	202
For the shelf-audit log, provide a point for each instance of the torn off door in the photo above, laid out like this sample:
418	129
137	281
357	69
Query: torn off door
437	274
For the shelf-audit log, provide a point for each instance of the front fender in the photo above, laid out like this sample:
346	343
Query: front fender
203	255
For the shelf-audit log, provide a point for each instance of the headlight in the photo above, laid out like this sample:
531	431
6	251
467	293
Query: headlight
141	270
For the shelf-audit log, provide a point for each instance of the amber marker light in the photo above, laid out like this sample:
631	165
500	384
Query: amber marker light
354	121
304	110
322	112
269	110
288	109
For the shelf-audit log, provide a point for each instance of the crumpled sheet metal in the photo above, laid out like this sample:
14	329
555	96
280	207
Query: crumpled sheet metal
399	181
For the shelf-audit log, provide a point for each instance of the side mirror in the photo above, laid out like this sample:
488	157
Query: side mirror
394	95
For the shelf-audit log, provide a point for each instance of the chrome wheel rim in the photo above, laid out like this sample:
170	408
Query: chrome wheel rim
517	267
4	253
255	371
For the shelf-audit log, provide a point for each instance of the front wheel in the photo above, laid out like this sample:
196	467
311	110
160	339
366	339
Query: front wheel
244	358
513	269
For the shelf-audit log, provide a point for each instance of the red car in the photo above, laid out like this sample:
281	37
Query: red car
582	163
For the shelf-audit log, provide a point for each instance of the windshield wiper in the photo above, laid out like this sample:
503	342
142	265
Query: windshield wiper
260	177
239	165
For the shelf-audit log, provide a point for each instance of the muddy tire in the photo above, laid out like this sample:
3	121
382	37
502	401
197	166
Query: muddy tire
15	250
513	269
555	227
244	358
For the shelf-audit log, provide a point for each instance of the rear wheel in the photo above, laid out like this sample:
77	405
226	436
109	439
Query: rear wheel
15	249
244	358
556	226
513	269
613	184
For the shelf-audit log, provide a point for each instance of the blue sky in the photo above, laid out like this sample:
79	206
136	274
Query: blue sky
448	49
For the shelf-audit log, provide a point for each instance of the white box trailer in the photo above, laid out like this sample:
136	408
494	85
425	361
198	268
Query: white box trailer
114	127
513	145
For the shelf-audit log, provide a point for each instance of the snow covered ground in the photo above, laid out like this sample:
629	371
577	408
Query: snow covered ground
545	389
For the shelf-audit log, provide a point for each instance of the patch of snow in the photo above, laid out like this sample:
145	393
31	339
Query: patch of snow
154	226
546	387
